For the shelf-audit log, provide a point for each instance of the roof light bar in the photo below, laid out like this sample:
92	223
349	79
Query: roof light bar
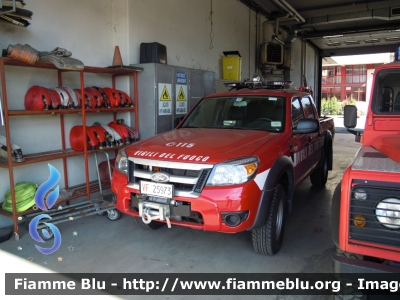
284	84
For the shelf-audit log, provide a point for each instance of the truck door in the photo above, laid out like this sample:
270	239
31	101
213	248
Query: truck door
315	139
299	144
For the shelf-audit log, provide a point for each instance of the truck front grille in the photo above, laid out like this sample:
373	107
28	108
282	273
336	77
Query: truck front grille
188	179
373	230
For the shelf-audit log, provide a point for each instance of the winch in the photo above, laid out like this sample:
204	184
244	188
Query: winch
154	211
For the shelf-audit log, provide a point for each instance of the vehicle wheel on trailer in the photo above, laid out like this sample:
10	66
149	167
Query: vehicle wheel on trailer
153	225
113	215
320	175
268	239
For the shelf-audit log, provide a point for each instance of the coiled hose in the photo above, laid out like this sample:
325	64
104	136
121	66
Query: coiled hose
90	97
77	140
102	135
37	98
122	131
23	53
97	97
116	138
125	99
113	96
106	101
24	196
79	97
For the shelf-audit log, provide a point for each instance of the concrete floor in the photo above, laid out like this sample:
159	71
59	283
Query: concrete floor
105	246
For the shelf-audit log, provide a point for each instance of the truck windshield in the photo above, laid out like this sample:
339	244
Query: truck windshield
245	113
386	98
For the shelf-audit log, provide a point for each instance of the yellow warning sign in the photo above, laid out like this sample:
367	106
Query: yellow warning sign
165	95
181	95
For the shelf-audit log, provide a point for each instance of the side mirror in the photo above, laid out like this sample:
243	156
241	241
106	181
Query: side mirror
306	126
350	120
350	116
177	121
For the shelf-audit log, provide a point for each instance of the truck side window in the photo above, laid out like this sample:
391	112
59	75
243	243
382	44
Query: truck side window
308	108
386	97
297	112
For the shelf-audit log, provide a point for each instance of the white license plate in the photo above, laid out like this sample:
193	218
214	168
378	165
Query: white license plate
157	189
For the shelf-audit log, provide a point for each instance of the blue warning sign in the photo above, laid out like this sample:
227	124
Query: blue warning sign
181	78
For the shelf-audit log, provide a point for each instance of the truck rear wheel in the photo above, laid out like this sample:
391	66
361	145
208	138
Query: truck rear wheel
320	175
268	239
153	225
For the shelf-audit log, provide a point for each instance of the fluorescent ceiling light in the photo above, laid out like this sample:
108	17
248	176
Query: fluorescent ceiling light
333	44
332	36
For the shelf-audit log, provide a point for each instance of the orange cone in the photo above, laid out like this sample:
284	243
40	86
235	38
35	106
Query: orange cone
117	60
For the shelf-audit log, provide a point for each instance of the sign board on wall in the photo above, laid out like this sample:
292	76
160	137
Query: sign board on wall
181	93
164	96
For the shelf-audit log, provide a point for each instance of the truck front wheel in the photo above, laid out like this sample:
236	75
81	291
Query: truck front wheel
268	239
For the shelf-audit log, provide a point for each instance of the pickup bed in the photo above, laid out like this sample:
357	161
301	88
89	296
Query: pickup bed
231	165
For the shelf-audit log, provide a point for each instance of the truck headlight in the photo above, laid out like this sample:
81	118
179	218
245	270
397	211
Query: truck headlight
388	213
360	194
233	171
121	163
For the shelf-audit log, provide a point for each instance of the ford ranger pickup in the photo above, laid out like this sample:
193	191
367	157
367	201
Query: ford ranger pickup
231	165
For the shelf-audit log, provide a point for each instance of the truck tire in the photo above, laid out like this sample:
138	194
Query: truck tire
268	238
320	175
152	226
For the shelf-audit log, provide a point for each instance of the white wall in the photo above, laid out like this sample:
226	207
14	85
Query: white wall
184	27
305	62
91	29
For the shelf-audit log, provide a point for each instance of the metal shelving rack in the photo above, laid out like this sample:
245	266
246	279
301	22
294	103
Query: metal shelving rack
88	187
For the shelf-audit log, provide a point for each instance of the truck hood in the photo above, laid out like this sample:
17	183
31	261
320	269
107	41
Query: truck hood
388	145
200	145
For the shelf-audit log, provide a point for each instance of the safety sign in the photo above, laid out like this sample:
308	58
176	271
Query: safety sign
181	99
165	101
181	78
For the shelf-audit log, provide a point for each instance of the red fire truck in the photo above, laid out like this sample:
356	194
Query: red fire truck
366	204
230	165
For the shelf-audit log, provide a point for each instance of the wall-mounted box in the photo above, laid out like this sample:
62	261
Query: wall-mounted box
232	66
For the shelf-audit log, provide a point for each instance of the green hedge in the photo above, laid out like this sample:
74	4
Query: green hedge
333	106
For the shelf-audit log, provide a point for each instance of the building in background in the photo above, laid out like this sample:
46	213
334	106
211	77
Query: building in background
345	79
